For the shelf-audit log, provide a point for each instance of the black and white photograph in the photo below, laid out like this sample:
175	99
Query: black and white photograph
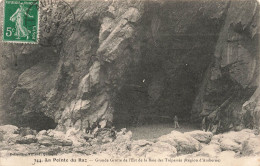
129	82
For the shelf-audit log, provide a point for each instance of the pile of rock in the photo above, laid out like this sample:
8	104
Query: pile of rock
24	141
242	143
173	144
195	143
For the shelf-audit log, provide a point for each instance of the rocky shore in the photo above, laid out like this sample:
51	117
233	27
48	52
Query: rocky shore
24	142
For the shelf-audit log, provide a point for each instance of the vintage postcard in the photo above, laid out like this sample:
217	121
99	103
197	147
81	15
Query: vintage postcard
129	82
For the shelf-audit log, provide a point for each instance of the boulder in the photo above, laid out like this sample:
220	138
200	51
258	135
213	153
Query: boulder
227	154
45	140
104	135
251	146
10	137
121	146
237	137
184	144
232	141
55	133
28	139
216	139
227	144
168	139
201	136
42	132
8	129
141	147
76	136
11	134
211	150
23	131
162	149
240	136
49	141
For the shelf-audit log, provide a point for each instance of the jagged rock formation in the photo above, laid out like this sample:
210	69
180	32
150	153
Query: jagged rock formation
233	76
135	61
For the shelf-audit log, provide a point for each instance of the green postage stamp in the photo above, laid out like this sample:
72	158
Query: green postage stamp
21	21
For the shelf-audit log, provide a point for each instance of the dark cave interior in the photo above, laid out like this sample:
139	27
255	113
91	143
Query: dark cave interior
171	68
36	121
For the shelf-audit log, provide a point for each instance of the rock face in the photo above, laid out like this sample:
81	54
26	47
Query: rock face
234	72
137	61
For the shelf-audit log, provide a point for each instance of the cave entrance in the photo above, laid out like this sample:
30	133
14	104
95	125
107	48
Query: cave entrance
176	49
39	121
35	120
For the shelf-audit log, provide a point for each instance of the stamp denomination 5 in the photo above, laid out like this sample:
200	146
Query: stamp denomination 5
21	21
